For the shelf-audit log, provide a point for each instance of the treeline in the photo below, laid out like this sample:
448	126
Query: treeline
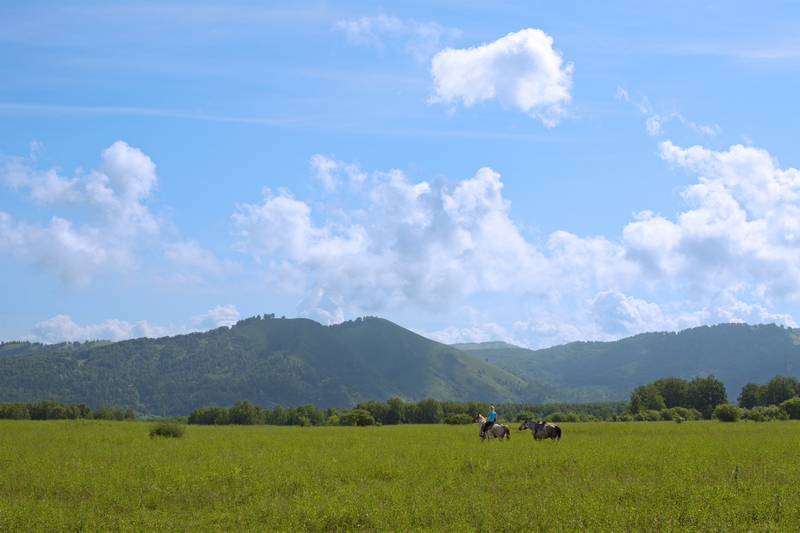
396	411
52	410
705	398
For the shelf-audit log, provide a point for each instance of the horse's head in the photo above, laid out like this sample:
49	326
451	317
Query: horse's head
525	425
479	418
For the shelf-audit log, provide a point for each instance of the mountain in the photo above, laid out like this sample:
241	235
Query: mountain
268	361
598	371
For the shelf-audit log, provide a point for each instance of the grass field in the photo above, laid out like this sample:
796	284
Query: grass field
658	476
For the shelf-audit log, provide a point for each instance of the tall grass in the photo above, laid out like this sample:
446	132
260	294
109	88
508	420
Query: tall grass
662	476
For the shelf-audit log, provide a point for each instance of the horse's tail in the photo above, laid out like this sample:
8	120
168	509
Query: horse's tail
558	433
507	432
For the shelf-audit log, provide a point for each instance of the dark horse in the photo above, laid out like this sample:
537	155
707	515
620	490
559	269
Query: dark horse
541	430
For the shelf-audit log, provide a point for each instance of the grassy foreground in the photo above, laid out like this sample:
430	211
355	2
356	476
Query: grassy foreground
659	476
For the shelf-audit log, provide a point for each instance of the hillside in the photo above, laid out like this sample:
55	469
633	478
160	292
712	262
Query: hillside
268	361
597	371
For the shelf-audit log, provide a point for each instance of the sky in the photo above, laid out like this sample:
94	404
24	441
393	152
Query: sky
531	172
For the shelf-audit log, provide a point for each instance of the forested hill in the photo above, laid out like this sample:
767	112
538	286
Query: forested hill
594	371
267	361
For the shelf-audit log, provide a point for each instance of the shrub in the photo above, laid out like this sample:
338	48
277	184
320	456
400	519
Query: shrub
456	419
166	429
792	408
727	412
625	418
358	417
557	417
572	417
764	414
332	420
650	415
681	412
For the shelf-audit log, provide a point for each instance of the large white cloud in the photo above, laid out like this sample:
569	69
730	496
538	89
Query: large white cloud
742	233
111	220
731	255
113	199
520	70
427	244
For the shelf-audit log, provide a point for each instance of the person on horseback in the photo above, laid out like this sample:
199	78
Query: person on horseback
490	418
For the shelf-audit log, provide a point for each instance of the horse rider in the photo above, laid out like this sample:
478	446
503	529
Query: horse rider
490	418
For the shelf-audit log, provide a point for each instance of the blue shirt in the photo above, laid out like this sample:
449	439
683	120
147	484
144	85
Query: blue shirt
492	416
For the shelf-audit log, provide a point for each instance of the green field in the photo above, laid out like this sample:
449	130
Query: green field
658	476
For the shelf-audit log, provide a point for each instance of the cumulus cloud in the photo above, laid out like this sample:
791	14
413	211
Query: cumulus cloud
62	328
422	39
425	244
741	234
520	70
113	199
731	255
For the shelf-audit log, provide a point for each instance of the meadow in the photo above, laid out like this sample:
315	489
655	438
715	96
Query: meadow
79	475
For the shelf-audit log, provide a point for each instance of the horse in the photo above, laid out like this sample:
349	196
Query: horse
541	430
497	431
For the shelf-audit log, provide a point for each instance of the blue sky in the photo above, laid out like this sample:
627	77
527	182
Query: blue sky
531	172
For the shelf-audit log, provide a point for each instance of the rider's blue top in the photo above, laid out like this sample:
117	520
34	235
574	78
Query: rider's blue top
492	416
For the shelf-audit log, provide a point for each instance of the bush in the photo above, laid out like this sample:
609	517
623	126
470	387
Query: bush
792	408
166	429
727	412
358	417
681	412
625	418
764	414
650	415
457	419
332	420
557	417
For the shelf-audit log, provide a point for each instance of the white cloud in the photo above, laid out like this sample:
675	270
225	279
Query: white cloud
424	244
112	197
520	70
422	39
730	255
62	328
655	121
217	317
329	171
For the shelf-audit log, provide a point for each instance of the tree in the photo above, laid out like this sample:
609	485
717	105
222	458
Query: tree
524	415
705	394
359	417
244	413
429	412
779	389
673	390
650	396
395	412
636	404
751	395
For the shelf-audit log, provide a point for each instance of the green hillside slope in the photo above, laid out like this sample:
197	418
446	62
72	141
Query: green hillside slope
597	371
267	361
